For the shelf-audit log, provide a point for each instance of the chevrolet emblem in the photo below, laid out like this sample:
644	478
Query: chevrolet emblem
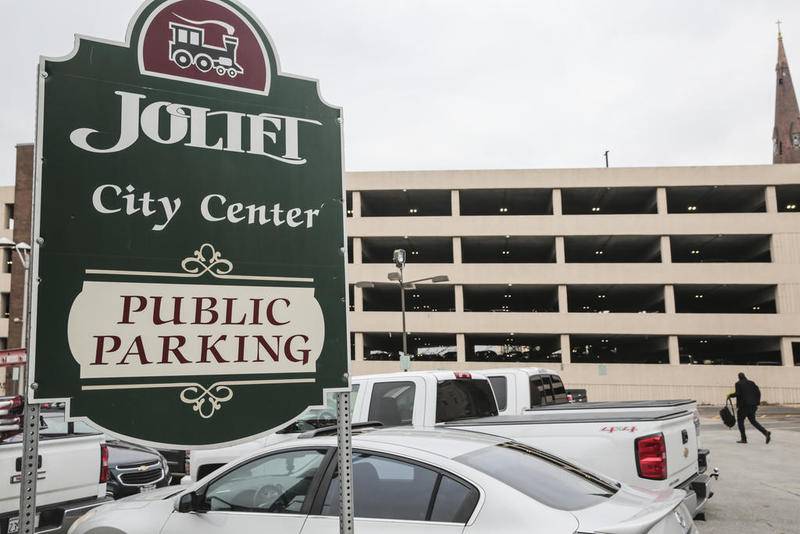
144	467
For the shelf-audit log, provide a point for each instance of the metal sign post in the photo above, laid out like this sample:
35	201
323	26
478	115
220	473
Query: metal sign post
30	429
345	452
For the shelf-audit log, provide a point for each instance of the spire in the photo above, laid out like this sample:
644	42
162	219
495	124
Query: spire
786	133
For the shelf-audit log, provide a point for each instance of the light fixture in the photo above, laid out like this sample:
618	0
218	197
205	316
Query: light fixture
698	296
596	208
691	208
695	251
503	210
756	307
791	206
598	252
601	296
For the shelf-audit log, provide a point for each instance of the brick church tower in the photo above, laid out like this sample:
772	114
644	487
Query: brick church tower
786	134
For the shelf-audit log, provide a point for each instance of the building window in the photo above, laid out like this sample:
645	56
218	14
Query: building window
796	352
3	343
7	260
5	304
8	223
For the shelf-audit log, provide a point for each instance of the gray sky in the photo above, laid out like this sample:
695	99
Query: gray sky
462	84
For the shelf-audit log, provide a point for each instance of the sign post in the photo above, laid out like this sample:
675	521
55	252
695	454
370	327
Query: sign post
188	232
345	462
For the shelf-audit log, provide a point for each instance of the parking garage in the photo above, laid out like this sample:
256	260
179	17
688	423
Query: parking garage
788	197
385	297
729	350
510	298
724	298
608	200
612	249
602	349
720	248
716	199
511	347
615	298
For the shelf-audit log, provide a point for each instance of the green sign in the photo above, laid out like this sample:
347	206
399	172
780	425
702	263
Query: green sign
189	232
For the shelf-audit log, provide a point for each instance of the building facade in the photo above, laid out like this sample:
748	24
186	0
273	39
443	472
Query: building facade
6	259
635	282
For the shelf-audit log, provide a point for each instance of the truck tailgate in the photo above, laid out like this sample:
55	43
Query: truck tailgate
70	470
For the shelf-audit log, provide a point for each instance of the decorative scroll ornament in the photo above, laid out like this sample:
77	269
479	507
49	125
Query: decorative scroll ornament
206	401
206	259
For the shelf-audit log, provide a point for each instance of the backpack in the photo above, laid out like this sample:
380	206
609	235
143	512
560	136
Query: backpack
726	413
757	394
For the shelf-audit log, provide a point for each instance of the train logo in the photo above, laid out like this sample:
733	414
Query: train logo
188	47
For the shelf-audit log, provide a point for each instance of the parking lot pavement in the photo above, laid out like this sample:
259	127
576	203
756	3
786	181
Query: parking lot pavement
759	486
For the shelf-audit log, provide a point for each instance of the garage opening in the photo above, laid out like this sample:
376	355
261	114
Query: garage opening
506	201
723	298
720	248
418	249
612	249
730	350
406	203
608	200
508	249
423	297
421	346
788	198
618	349
510	298
615	298
511	347
717	199
796	352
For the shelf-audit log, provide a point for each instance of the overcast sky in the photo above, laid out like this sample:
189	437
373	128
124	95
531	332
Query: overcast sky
476	84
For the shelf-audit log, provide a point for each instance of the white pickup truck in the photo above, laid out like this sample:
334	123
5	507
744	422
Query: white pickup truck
647	446
72	467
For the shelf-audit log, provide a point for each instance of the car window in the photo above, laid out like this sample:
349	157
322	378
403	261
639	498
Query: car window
538	475
559	393
547	390
536	391
277	484
387	488
454	502
464	399
500	388
392	403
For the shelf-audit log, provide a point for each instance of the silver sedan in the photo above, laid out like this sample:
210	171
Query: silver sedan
405	480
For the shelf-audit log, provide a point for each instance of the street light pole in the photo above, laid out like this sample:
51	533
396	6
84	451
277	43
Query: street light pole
403	312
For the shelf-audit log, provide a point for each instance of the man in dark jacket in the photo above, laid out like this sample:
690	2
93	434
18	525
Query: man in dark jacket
748	397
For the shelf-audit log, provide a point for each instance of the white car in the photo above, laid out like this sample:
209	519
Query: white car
406	480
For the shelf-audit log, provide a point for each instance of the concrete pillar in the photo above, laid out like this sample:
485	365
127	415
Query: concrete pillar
669	298
661	200
459	298
566	353
674	350
666	250
787	356
455	203
561	255
461	348
359	348
456	250
358	299
771	197
557	202
356	250
356	203
563	304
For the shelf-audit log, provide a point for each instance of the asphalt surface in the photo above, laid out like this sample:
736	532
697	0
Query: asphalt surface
758	490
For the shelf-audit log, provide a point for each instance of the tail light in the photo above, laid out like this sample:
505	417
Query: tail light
651	457
103	463
462	375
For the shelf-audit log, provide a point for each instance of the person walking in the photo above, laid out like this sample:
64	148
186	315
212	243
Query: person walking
748	397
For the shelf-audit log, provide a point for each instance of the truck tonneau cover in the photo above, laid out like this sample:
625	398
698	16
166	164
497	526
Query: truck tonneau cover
632	416
613	405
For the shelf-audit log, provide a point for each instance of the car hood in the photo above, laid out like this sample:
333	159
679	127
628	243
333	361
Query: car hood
122	453
630	511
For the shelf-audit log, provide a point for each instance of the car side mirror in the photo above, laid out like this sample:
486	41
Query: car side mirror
188	502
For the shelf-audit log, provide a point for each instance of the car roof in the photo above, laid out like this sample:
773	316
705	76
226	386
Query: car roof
527	370
442	442
439	374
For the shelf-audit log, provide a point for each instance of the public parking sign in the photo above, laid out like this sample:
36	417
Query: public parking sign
189	232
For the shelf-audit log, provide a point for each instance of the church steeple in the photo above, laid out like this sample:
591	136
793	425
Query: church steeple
786	134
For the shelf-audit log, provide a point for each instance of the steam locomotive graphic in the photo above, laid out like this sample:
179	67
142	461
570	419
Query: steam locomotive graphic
188	47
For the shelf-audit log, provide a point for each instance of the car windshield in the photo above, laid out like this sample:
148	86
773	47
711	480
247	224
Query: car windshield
541	476
464	399
318	417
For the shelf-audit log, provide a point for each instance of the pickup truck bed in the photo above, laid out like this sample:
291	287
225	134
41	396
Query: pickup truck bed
630	416
618	405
